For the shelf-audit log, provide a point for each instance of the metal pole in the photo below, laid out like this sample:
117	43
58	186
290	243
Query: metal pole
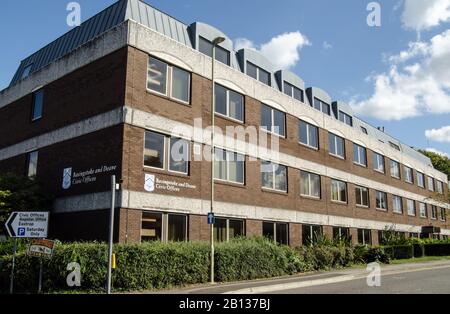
111	230
40	276
213	109
11	285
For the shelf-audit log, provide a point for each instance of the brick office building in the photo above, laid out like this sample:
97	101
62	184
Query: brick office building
105	98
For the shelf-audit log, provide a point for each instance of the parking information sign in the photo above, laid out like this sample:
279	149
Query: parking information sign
28	225
41	248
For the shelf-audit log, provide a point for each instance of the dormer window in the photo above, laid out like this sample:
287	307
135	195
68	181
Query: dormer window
322	106
394	146
347	119
205	47
26	71
293	91
258	74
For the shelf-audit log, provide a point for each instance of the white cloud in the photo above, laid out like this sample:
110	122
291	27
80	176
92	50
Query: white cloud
425	14
433	150
439	135
410	89
326	45
282	50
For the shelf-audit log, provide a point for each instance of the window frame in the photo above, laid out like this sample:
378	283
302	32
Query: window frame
227	105
32	158
258	76
311	233
364	240
292	91
391	162
217	48
394	209
227	226
273	188
405	168
376	162
439	186
308	135
227	154
169	82
345	118
361	188
442	214
322	103
410	209
377	193
425	210
434	212
33	105
276	225
420	175
431	186
358	149
272	118
335	145
310	185
340	201
164	238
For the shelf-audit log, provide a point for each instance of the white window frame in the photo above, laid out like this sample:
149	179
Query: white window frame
321	106
258	68
423	210
386	201
272	118
361	188
227	225
35	155
227	161
409	203
359	148
169	82
169	143
412	174
391	161
339	200
292	91
165	225
422	180
308	135
336	146
365	241
440	186
394	209
310	195
273	181
431	187
434	212
442	214
227	105
378	158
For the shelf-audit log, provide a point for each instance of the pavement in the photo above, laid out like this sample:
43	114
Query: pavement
414	278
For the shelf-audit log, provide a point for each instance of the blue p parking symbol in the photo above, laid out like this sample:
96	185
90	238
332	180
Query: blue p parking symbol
21	232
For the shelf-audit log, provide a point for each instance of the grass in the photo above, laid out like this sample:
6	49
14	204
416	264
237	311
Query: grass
419	260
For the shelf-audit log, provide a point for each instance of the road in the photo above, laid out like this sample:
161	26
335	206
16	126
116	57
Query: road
416	278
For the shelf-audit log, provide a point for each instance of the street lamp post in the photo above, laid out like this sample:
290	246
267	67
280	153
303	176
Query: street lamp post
215	42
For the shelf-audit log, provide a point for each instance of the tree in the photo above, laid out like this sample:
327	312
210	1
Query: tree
21	194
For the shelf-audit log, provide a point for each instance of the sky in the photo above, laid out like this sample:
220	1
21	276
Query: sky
395	75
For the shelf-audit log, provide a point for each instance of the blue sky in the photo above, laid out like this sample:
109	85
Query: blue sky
345	57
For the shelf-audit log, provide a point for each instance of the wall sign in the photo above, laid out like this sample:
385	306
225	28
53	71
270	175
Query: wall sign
153	183
72	177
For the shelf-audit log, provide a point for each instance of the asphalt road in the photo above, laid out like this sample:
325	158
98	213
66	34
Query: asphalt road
433	281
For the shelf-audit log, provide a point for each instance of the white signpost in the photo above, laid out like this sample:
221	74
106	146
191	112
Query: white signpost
26	225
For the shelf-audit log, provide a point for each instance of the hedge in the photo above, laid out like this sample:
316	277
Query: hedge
442	249
399	251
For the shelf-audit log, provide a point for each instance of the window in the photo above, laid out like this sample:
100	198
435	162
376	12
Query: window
229	166
341	233
397	204
394	146
423	210
276	231
338	191
408	174
310	234
378	162
440	187
433	212
229	103
274	176
421	179
395	169
168	80
362	196
32	164
411	206
359	155
163	227
293	91
177	157
205	47
443	214
26	71
309	134
381	200
258	74
322	106
364	237
364	130
336	145
309	184
226	229
38	105
273	121
430	184
347	119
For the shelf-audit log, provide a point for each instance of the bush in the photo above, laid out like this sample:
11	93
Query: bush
399	251
418	250
377	254
6	247
442	249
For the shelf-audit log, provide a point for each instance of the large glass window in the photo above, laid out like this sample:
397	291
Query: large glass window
336	145
408	172
176	228
258	74
397	204
431	184
378	162
364	236
163	227
229	103
423	210
226	229
411	206
205	47
309	184
338	191
229	166
381	200
395	169
420	179
322	106
347	119
274	176
38	105
155	156
340	233
433	212
362	196
293	91
168	80
276	231
151	227
359	155
310	234
32	164
309	134
273	121
440	187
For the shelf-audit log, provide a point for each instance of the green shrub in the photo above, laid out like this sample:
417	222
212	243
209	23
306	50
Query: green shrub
6	247
438	249
399	251
418	250
377	254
